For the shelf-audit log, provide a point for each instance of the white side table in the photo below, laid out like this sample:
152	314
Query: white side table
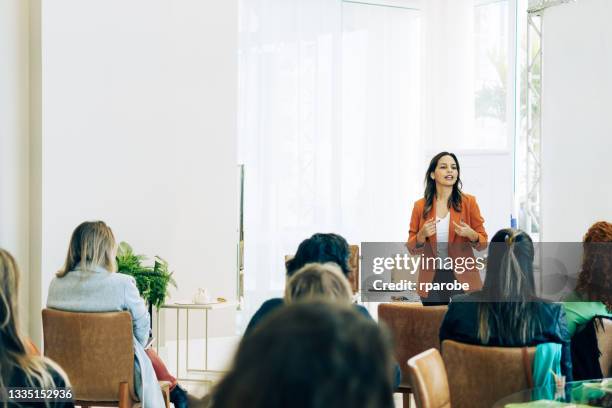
178	306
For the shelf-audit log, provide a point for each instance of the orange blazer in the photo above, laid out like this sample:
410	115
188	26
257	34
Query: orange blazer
462	247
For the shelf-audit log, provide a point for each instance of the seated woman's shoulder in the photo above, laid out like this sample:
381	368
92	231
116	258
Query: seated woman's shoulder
121	277
470	297
550	306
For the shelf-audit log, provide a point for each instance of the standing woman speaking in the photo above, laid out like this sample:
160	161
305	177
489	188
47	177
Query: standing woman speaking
445	215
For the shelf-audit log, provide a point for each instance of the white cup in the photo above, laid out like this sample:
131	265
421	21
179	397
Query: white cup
201	296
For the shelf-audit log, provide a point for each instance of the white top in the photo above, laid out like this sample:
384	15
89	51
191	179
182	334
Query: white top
442	231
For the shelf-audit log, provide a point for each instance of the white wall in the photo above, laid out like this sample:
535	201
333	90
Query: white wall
577	120
138	129
14	138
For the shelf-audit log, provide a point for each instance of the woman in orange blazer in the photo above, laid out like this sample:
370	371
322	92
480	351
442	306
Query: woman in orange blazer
446	223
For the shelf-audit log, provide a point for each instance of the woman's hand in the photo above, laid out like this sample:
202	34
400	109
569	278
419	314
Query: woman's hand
428	229
464	230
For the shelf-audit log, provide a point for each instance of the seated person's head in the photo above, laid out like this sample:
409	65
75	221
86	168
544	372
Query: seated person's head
92	245
510	266
17	363
509	303
9	288
595	278
321	248
310	355
318	281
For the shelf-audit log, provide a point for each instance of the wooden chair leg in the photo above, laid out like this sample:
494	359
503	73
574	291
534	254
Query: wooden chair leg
165	389
406	400
125	401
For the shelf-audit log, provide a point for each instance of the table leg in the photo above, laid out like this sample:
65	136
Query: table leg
187	342
206	339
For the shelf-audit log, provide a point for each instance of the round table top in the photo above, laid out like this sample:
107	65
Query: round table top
577	394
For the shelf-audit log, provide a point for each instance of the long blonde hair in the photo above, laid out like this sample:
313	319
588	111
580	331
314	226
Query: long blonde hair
318	281
92	244
13	350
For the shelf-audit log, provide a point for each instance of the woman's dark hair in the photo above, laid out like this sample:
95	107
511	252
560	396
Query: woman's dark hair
595	278
508	294
321	248
430	185
310	355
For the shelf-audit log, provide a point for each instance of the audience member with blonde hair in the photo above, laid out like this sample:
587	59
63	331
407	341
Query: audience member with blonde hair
310	354
19	367
88	283
318	281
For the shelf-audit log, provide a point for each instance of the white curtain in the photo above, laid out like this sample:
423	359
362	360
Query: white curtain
341	105
449	62
329	127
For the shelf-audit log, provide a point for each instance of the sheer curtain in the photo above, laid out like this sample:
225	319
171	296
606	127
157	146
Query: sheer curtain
329	127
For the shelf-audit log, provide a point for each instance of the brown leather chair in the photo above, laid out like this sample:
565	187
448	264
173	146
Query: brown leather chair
479	376
429	380
604	341
415	329
96	351
353	263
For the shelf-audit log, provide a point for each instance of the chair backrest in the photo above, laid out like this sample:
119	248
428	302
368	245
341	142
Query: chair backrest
353	263
429	380
96	350
479	376
415	328
604	341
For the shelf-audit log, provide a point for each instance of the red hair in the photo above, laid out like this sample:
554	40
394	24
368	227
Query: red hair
595	279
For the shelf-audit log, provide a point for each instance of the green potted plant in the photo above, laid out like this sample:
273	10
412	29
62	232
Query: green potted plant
152	281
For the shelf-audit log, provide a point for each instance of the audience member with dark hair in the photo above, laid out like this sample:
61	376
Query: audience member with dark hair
593	294
320	248
310	355
506	312
19	366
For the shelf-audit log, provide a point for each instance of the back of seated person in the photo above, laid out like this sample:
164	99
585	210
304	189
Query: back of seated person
506	312
310	354
88	282
18	365
319	248
593	294
591	299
